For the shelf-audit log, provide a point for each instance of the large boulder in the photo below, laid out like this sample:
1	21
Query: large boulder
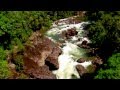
40	73
52	59
81	70
40	51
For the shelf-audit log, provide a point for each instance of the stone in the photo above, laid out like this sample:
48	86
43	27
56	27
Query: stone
41	57
40	73
84	42
38	50
97	61
81	60
81	70
52	59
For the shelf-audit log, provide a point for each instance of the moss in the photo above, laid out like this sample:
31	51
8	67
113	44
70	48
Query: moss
19	62
5	71
90	69
23	76
74	77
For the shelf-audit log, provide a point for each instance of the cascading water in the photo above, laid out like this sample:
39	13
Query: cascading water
70	51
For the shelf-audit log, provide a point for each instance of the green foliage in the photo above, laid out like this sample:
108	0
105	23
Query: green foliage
108	74
112	70
17	26
4	70
104	28
114	61
97	33
15	29
23	76
18	61
104	31
2	54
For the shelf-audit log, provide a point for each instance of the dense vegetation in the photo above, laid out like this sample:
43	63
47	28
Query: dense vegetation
104	31
16	27
112	69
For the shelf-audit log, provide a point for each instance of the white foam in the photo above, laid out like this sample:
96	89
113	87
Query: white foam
70	51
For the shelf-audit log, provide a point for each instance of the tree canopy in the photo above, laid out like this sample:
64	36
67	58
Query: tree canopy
17	26
104	32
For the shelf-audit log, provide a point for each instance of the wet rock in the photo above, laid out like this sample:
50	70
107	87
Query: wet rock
81	60
84	46
81	70
52	59
79	39
40	73
71	32
63	34
36	53
97	61
84	42
38	50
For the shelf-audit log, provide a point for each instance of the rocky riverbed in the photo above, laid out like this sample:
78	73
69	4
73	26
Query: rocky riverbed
61	53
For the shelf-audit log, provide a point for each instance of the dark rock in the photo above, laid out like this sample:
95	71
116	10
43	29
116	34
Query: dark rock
52	59
40	73
97	61
37	51
84	46
81	60
84	42
81	70
71	32
79	39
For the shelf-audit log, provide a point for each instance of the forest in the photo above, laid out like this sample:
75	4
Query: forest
104	32
17	26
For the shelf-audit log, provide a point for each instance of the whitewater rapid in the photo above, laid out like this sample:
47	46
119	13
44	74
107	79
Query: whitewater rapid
70	51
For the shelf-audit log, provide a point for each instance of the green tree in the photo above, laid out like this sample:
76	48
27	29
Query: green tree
104	30
16	27
112	70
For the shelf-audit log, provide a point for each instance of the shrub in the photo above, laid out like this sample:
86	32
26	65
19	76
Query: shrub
5	72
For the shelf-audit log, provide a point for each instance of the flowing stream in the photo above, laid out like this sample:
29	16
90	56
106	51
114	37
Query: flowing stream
71	52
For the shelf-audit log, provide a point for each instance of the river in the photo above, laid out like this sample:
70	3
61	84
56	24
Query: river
71	52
